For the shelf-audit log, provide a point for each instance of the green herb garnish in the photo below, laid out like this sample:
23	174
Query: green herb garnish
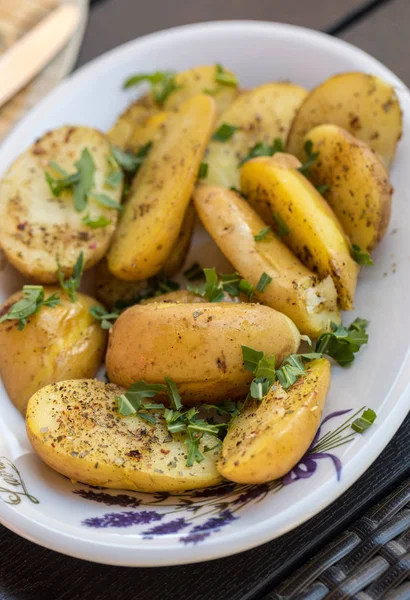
281	228
322	188
128	161
105	200
71	285
361	256
262	234
215	285
224	132
33	299
343	343
195	271
263	149
311	158
162	84
131	401
97	223
263	282
225	78
115	175
107	319
365	421
203	170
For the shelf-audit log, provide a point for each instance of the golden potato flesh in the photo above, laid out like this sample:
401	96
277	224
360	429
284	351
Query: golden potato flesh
359	189
35	226
76	429
294	290
147	131
198	346
364	105
132	118
261	115
269	437
64	342
151	222
178	253
314	234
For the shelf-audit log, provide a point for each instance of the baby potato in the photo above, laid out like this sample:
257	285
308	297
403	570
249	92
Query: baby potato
294	290
199	347
134	116
76	429
147	131
35	226
359	190
178	253
114	292
64	342
269	437
261	115
364	105
314	233
179	296
151	222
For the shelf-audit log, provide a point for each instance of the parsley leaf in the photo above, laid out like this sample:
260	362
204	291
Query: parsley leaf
97	223
365	421
361	256
195	271
203	170
107	319
162	84
262	234
33	299
281	228
263	149
131	401
310	160
224	77
322	188
251	358
128	161
115	175
105	200
173	394
71	285
215	286
343	343
263	282
224	132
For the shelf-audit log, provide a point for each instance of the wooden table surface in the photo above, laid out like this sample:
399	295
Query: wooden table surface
28	572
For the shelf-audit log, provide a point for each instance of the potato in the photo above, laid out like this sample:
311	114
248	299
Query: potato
135	115
179	296
359	189
178	254
35	226
59	343
363	104
199	347
151	222
76	429
114	292
147	131
269	437
315	235
294	290
261	115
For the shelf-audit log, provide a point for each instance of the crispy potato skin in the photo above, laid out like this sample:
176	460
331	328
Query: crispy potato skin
76	429
199	346
359	189
364	105
59	343
35	226
269	437
146	234
294	290
315	235
261	114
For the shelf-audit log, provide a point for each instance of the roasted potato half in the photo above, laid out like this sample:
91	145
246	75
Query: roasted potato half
364	105
132	118
147	131
35	226
76	429
269	437
114	292
294	290
64	342
359	189
261	115
314	234
178	253
198	346
152	219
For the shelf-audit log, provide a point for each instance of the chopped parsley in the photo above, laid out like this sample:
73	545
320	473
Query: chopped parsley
322	188
115	175
215	285
224	132
225	78
263	282
97	223
128	161
71	285
281	228
33	299
365	421
311	158
263	149
362	257
107	319
203	170
162	83
262	234
105	200
343	343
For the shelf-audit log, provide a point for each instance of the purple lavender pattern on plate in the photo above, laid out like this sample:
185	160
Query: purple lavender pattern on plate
198	514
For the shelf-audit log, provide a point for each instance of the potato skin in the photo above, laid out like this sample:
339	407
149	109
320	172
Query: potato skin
135	115
163	187
359	189
64	342
76	429
198	346
315	235
364	105
35	226
269	437
179	252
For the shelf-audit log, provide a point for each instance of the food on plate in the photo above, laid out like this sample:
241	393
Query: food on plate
179	296
146	234
286	199
364	105
255	123
59	339
114	292
271	435
94	444
136	114
294	290
357	183
178	253
198	346
53	200
147	131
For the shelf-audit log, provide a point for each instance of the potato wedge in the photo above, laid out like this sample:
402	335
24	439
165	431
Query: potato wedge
179	252
35	226
315	235
151	222
95	445
294	290
359	190
147	131
269	437
134	116
64	342
261	115
199	347
364	105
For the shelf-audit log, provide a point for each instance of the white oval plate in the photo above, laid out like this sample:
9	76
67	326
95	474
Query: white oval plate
140	530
